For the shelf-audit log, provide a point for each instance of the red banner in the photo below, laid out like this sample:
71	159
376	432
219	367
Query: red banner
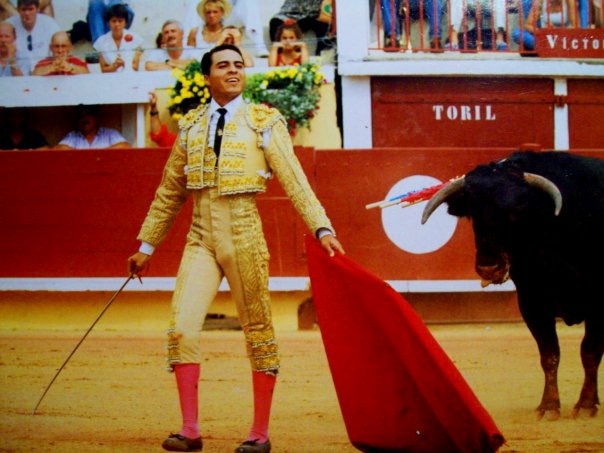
570	42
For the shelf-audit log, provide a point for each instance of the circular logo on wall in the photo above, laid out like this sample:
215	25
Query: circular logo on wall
403	225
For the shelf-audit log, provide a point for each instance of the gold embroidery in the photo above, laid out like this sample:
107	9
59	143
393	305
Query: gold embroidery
192	116
194	160
173	350
252	259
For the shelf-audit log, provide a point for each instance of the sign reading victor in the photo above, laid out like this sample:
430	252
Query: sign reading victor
570	42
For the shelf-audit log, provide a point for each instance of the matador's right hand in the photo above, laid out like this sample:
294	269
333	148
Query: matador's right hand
138	263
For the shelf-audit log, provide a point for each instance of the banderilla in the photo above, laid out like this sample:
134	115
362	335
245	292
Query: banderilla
117	293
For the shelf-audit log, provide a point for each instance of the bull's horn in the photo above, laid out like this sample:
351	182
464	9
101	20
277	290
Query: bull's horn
441	196
547	186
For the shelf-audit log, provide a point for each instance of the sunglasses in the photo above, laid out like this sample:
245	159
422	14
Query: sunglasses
29	45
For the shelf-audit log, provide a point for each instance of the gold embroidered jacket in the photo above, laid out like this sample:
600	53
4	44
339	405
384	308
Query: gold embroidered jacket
244	166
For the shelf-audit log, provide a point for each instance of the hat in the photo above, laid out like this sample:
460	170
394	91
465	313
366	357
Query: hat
226	7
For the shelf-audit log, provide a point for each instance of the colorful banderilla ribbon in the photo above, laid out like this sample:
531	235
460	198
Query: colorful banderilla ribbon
409	198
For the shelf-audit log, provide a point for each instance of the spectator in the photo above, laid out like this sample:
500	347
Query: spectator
97	13
306	14
232	35
289	49
34	30
88	133
393	12
16	133
172	52
13	62
584	16
481	9
209	33
598	16
159	40
159	132
7	9
392	23
61	62
120	49
47	8
245	16
545	13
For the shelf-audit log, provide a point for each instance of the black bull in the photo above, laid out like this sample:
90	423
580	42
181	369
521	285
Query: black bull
538	218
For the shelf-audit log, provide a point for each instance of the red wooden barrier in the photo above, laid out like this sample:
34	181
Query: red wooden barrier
77	213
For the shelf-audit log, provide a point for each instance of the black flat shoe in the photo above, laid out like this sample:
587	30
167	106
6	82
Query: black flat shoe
252	446
178	442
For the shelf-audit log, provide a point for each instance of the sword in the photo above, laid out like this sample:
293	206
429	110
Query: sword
117	293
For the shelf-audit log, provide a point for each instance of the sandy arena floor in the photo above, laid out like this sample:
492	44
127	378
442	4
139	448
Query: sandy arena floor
115	396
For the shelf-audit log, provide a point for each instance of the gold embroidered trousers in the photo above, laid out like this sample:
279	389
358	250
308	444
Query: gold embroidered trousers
225	239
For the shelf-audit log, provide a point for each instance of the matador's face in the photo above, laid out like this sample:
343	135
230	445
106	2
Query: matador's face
227	76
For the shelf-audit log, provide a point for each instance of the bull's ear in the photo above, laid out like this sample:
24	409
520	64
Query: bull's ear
458	205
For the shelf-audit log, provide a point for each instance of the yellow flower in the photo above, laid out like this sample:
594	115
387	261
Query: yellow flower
198	79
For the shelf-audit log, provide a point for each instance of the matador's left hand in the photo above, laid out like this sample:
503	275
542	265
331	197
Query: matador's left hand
331	245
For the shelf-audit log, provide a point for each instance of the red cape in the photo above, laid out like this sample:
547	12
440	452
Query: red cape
397	388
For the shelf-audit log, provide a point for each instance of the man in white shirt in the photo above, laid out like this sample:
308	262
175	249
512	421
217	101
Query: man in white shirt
173	53
89	135
12	61
34	30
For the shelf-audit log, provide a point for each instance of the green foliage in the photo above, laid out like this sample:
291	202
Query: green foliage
294	91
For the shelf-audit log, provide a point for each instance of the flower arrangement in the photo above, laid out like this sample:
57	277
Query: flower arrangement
189	91
294	91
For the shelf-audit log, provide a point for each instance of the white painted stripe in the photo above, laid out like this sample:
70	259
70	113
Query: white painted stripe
277	284
561	125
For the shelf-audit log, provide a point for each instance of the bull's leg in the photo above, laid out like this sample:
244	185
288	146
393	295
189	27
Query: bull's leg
544	333
592	348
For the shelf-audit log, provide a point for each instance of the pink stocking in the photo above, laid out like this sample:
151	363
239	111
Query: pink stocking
264	384
187	377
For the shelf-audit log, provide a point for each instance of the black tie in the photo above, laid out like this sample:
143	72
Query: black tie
219	131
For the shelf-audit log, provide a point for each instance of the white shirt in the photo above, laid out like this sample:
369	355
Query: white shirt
22	62
231	108
106	45
41	35
161	55
105	137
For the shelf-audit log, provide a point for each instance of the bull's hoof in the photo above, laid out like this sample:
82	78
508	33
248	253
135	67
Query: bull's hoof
582	411
549	415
